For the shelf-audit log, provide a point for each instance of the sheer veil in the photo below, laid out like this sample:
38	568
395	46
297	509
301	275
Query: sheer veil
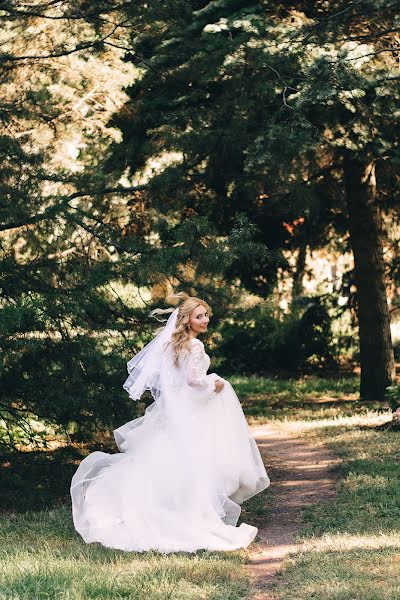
152	369
145	367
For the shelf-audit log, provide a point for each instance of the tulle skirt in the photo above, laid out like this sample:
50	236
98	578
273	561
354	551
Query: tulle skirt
173	489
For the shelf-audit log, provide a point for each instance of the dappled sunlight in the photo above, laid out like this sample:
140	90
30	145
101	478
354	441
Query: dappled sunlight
44	557
316	466
302	483
345	574
345	541
369	418
242	153
49	445
367	481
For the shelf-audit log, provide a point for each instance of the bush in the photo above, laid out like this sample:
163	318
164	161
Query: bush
255	342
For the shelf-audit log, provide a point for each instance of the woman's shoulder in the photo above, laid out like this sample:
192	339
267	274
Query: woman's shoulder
195	342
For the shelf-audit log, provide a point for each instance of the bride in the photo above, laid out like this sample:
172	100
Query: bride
185	466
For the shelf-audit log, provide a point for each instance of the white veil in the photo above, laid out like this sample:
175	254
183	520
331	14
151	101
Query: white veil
147	371
145	367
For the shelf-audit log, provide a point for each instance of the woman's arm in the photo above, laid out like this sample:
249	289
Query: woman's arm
195	376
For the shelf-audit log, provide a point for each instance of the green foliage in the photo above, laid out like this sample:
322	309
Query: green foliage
254	341
236	117
67	245
393	396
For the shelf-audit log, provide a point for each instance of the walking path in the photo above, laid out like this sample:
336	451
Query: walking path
300	475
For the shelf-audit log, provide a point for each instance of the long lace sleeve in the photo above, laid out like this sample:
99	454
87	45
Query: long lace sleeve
195	375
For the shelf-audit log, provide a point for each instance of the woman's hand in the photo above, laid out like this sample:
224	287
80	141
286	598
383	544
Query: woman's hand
219	385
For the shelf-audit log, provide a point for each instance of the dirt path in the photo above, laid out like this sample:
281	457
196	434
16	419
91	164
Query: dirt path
300	475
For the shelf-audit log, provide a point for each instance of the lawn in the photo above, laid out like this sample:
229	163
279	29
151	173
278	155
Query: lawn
350	547
42	557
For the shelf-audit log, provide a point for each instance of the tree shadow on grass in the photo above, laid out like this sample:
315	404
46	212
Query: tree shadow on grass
38	479
276	408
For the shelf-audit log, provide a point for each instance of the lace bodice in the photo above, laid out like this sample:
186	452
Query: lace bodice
191	371
197	366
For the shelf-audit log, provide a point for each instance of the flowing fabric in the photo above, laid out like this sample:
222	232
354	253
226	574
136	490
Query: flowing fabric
145	367
183	470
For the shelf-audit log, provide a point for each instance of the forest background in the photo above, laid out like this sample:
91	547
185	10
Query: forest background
245	152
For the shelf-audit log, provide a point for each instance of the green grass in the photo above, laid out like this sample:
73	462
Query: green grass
42	557
296	388
351	545
355	574
306	397
369	491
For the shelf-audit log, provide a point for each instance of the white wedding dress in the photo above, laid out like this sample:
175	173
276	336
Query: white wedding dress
183	471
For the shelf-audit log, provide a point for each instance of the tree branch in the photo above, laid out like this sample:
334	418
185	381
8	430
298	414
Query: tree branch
51	212
78	48
114	190
370	36
14	12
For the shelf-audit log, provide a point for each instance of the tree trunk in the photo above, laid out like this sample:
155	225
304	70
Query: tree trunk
297	289
376	349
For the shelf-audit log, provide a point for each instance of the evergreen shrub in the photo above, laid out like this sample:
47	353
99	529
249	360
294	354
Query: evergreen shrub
254	341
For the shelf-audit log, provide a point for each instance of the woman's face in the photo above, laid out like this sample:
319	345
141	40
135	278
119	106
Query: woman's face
198	319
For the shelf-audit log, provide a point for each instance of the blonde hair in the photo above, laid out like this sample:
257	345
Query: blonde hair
180	339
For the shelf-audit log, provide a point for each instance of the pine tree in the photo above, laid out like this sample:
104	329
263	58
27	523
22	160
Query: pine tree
80	245
281	112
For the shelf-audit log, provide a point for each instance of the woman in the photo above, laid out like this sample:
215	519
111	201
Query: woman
185	466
